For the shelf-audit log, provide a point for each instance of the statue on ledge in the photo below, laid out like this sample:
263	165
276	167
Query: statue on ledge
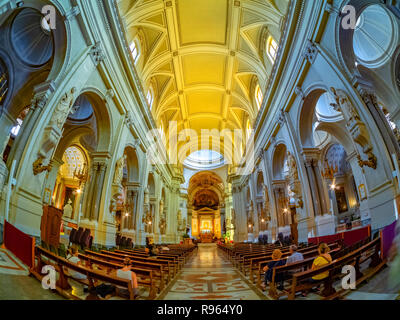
68	210
119	170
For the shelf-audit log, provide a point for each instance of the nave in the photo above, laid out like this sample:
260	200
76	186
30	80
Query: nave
209	274
137	134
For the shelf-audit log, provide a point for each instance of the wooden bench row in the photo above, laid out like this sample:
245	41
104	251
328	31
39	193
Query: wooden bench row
44	257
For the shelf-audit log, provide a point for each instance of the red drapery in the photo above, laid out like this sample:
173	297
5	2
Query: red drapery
19	243
349	237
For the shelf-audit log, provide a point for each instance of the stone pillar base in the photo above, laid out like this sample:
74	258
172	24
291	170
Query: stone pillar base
302	228
325	225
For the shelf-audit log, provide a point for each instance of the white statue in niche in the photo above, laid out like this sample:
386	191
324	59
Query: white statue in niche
63	108
119	170
68	209
291	162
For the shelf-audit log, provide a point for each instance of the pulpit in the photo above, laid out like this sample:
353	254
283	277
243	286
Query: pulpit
50	225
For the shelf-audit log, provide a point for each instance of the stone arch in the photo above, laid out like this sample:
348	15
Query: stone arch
103	117
133	165
306	117
151	185
278	161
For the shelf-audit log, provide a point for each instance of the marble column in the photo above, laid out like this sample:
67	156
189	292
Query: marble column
324	221
6	123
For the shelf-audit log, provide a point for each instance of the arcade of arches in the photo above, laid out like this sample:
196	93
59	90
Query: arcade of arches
106	114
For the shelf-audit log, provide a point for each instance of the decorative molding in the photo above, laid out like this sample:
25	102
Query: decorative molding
299	92
72	13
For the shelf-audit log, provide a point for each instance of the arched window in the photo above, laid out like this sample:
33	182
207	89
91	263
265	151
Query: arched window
150	97
259	97
134	50
272	49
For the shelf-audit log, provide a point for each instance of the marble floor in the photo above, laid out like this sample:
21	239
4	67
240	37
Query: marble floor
208	275
15	284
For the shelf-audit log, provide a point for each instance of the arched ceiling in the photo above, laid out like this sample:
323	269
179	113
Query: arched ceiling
203	57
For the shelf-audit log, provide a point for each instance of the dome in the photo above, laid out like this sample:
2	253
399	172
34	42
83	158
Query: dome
205	159
373	40
31	39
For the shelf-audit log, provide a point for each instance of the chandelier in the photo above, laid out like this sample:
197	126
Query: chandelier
81	174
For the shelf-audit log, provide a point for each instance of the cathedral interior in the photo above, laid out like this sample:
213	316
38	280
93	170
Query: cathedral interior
205	128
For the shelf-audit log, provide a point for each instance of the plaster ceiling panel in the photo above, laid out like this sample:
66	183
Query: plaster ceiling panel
253	36
202	21
204	68
152	37
245	81
248	17
204	102
126	5
246	47
159	49
157	20
204	123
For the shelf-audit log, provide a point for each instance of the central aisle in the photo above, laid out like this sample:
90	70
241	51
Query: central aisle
208	275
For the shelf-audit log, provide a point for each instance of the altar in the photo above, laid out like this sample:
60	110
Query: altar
206	224
206	237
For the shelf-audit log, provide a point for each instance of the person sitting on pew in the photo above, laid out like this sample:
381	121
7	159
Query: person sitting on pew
294	255
323	259
128	274
268	269
73	256
78	289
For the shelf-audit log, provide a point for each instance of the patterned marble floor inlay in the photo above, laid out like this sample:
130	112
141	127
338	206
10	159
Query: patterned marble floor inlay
209	276
9	264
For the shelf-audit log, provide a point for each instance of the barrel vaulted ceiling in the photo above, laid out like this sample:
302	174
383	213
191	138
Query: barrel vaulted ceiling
203	57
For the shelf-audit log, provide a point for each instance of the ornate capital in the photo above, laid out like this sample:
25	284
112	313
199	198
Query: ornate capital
97	54
310	52
42	94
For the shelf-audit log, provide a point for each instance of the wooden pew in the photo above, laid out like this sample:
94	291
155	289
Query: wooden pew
169	265
257	264
111	263
45	257
355	258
